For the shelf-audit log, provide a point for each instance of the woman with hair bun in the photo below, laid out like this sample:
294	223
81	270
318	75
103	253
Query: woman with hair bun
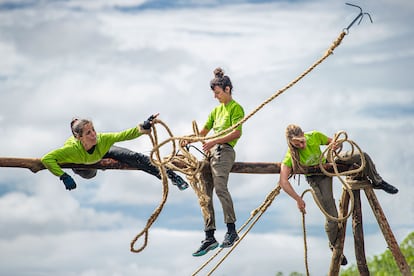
221	160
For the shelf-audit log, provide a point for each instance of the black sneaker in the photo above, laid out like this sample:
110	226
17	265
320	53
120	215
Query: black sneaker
178	181
229	239
344	261
388	188
206	245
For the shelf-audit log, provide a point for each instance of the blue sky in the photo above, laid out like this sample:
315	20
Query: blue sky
118	61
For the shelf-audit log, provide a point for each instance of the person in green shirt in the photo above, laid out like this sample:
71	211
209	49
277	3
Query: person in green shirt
221	160
86	146
304	150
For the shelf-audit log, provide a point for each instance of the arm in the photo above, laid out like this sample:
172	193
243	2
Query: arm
50	161
235	134
287	187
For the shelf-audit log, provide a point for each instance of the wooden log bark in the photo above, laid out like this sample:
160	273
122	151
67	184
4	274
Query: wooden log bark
35	165
339	247
386	231
358	231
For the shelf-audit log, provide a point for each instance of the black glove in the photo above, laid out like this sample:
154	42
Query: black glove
148	122
68	181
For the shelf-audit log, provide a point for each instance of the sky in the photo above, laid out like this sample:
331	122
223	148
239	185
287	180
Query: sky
117	61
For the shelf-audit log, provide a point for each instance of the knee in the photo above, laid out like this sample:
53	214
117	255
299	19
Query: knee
85	173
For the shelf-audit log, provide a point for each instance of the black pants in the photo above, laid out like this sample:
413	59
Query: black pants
129	157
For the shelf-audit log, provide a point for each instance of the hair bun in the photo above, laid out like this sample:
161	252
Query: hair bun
218	72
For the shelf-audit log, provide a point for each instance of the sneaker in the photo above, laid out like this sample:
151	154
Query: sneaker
206	245
344	261
178	181
229	239
386	187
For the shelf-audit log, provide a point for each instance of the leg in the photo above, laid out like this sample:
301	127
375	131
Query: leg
210	221
142	162
133	159
221	164
322	185
85	173
210	242
369	171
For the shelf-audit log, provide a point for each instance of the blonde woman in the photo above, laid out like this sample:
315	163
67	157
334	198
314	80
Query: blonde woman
304	150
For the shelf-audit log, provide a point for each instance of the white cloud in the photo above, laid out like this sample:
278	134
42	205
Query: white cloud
78	58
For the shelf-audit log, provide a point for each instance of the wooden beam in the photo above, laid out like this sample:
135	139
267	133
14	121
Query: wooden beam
35	165
339	246
386	231
358	230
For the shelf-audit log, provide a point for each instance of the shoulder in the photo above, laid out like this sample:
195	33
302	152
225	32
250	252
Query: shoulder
317	136
235	106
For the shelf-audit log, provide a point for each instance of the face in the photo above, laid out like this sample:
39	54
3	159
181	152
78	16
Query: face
299	142
223	96
88	137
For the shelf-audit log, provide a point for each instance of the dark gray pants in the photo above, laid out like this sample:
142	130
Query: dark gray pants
132	158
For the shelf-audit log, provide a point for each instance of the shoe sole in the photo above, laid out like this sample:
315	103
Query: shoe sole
230	245
203	252
183	187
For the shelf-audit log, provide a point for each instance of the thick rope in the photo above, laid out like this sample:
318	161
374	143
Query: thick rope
154	140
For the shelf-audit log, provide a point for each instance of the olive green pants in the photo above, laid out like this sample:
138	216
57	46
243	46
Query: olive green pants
221	161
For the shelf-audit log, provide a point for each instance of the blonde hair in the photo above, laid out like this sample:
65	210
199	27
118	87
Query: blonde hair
294	132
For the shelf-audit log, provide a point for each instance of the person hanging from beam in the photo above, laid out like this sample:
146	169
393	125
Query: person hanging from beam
304	150
86	146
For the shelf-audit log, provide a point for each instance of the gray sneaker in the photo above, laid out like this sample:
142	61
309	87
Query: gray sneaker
206	245
177	181
229	239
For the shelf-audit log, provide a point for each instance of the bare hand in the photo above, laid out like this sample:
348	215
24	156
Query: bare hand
301	205
208	145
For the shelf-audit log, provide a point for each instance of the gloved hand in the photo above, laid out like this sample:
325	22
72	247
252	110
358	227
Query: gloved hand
148	122
145	127
68	181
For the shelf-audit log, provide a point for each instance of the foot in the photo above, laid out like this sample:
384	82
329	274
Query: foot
178	181
206	245
388	188
344	261
229	239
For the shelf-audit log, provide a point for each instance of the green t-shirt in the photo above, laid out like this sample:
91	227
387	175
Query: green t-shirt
309	156
224	116
73	151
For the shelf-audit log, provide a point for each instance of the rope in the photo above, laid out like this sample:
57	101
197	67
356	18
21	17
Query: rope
154	140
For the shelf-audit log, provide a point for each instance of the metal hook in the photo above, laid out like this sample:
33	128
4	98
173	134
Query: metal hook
360	16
